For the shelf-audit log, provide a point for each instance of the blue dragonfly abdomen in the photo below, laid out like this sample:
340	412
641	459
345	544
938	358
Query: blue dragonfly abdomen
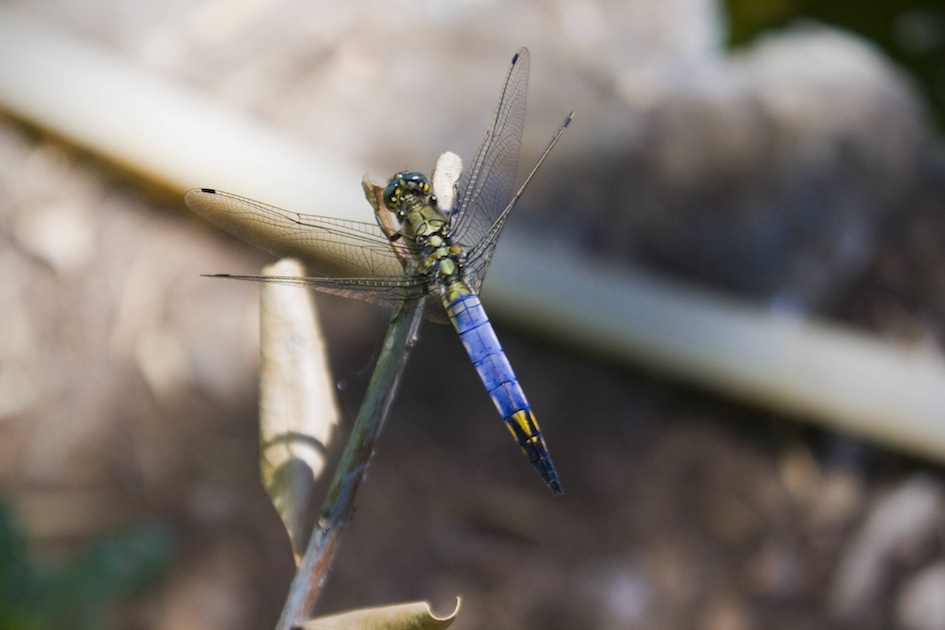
482	345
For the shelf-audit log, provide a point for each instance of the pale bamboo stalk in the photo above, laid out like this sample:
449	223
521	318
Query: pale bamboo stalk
156	129
812	370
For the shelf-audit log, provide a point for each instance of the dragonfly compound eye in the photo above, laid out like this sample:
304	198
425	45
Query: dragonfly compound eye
403	185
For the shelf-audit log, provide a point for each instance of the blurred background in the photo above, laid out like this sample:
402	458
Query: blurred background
778	151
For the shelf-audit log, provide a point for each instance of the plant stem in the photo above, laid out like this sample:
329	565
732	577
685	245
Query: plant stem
339	503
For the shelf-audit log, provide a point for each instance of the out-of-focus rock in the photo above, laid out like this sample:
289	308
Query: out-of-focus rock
921	605
899	527
771	172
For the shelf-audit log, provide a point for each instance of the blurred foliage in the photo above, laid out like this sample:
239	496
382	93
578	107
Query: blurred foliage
911	32
83	593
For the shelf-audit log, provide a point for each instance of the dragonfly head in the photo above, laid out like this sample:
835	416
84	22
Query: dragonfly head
401	187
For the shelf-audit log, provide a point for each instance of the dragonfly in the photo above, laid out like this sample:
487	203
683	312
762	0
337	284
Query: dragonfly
432	244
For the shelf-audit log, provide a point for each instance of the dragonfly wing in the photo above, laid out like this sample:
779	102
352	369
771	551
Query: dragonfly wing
485	189
326	245
480	253
386	292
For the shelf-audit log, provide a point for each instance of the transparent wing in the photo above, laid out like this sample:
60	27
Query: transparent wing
480	254
380	291
386	292
325	245
485	188
349	248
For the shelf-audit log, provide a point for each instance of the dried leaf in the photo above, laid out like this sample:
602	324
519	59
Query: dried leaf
446	173
410	616
385	218
296	400
374	195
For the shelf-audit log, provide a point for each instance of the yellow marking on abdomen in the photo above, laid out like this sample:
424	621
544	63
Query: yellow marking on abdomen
525	420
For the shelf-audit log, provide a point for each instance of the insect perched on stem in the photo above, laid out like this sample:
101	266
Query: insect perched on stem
433	251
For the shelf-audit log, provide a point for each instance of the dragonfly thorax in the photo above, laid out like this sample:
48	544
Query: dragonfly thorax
409	196
440	260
